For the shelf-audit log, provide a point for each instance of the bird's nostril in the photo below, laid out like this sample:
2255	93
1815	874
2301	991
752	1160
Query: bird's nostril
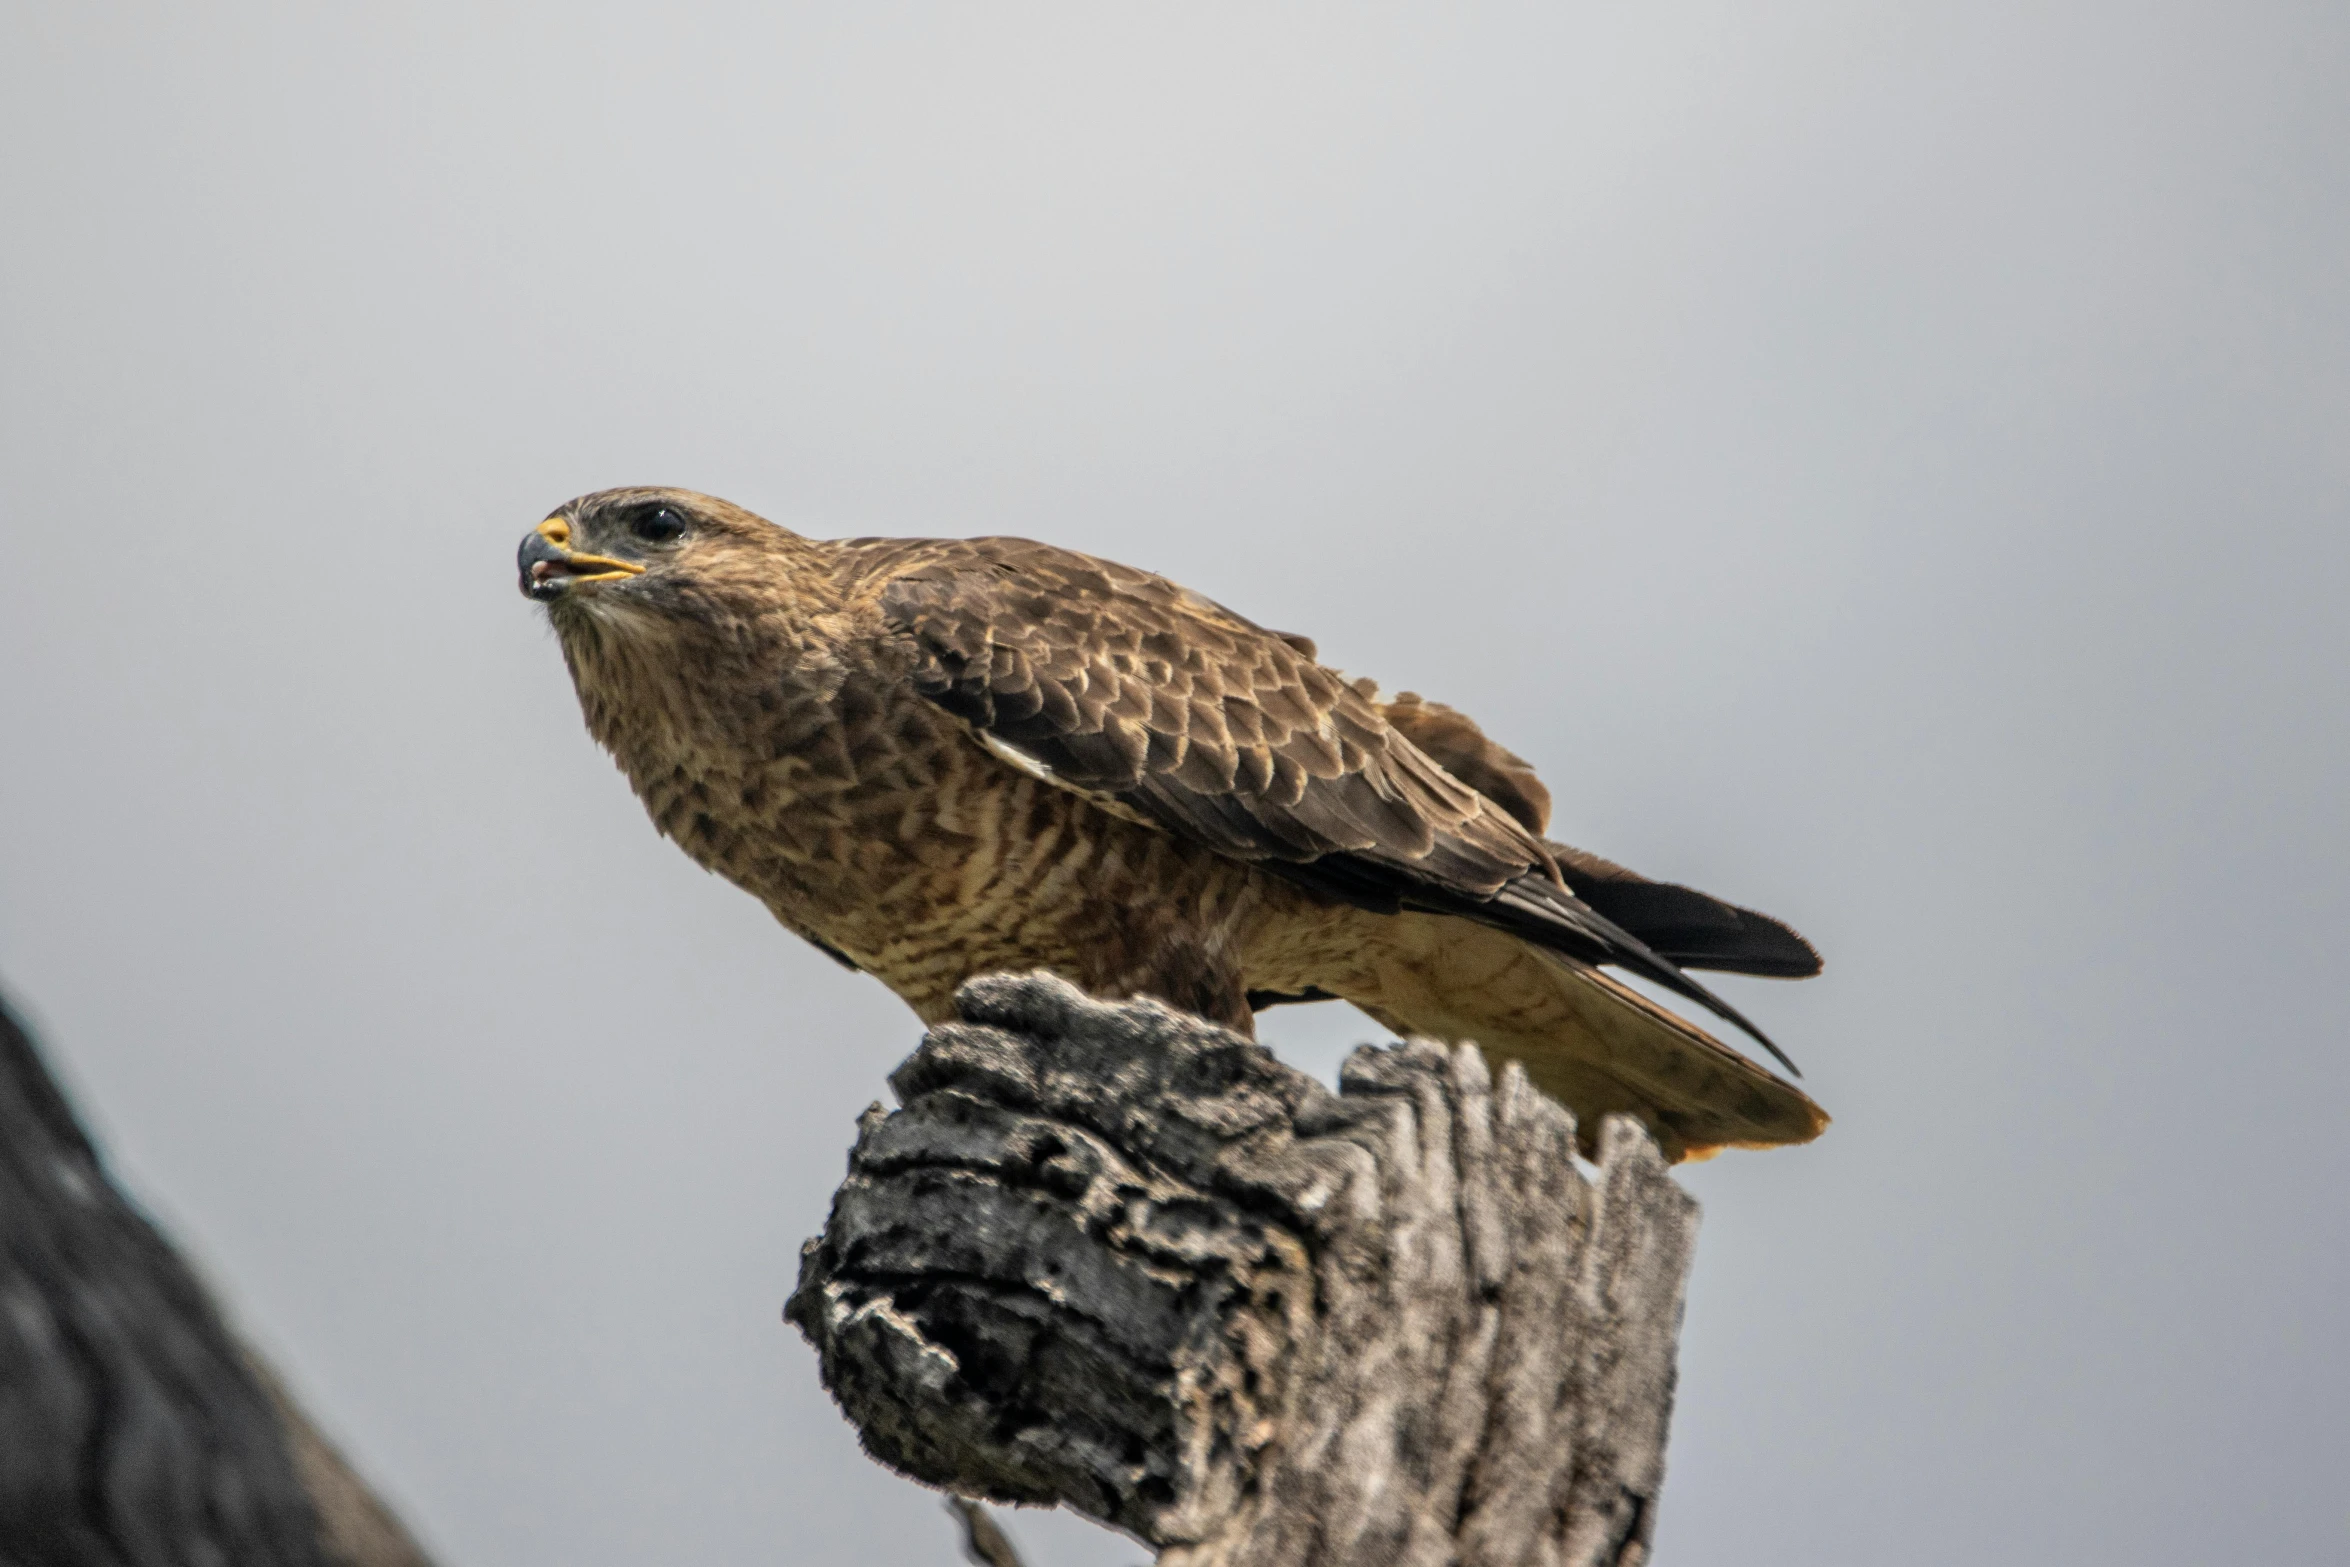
555	531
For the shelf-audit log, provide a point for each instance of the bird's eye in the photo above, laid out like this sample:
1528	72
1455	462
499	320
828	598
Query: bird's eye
657	524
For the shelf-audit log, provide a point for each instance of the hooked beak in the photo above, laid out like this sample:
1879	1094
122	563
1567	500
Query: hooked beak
551	568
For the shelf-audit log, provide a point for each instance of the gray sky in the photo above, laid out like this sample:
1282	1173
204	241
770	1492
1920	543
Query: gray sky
1885	464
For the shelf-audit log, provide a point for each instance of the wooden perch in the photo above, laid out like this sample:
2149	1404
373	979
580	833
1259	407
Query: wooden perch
1114	1256
134	1428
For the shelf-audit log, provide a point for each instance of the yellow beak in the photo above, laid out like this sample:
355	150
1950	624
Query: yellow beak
550	567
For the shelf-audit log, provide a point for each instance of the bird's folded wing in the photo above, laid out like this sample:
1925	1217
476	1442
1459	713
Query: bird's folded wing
1126	687
1681	924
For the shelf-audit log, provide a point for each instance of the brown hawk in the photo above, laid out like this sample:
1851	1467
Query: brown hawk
936	758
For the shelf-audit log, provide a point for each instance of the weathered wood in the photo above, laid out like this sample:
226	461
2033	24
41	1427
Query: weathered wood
1113	1256
134	1430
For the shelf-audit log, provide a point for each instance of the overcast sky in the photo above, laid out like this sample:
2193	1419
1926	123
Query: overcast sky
1885	464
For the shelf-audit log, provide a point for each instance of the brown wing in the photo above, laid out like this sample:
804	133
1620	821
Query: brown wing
1121	684
1452	739
1678	923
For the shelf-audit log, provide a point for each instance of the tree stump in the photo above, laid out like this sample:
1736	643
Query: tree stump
1116	1257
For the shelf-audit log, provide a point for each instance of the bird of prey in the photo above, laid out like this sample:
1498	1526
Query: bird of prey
938	758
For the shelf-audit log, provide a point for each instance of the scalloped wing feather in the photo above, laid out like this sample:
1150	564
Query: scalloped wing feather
1124	686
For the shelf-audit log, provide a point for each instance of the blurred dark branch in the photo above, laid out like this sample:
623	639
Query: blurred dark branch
134	1428
984	1544
1116	1257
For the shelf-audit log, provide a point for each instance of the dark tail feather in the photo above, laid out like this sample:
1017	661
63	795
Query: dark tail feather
1539	909
1641	959
1699	932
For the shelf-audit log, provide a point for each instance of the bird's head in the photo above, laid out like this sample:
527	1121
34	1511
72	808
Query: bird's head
650	552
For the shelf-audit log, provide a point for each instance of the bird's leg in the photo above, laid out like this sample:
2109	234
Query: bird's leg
1200	977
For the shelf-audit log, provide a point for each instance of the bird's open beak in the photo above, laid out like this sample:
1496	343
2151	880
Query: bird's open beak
551	568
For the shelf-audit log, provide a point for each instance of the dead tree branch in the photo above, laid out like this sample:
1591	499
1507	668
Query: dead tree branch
984	1542
1116	1257
135	1431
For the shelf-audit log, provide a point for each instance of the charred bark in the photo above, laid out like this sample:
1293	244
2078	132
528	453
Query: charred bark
1116	1257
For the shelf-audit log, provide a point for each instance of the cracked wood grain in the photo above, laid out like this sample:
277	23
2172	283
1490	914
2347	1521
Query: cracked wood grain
1113	1256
